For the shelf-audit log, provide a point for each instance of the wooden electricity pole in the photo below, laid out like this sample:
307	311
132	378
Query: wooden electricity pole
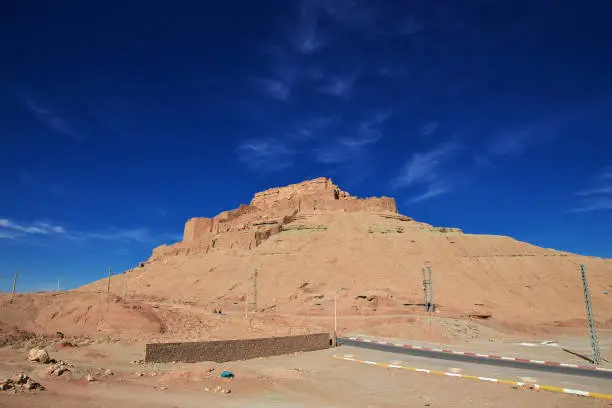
108	284
15	282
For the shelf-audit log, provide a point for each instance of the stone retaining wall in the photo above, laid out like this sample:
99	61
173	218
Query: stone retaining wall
231	350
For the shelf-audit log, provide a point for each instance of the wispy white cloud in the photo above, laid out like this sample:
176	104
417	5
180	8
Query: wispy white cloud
14	229
595	204
6	234
431	192
306	35
423	168
598	196
429	128
511	143
341	87
117	234
10	229
594	191
426	169
349	13
46	116
345	148
265	155
312	129
514	141
606	174
276	88
367	131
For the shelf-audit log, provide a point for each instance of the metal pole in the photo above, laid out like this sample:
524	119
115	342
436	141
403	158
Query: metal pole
426	298
432	305
591	321
124	285
15	282
109	276
255	288
335	314
58	285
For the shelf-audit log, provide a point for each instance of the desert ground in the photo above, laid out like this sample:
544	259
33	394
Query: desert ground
298	380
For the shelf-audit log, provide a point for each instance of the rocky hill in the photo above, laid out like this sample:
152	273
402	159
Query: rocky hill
312	241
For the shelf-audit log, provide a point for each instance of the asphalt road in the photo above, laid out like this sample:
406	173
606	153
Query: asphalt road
477	360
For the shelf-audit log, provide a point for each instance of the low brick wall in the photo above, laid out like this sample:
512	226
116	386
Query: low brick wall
231	350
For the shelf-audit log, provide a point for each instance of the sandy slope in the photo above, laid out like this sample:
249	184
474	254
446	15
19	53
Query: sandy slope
362	254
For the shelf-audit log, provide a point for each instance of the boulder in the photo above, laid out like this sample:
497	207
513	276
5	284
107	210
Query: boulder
38	354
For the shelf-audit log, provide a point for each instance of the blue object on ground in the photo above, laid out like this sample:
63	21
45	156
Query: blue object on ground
227	374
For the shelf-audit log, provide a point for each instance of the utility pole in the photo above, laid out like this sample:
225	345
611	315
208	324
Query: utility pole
425	296
335	314
428	290
124	285
432	305
591	321
108	284
253	282
14	283
58	286
246	304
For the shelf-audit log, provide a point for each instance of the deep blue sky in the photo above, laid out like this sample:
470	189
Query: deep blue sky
120	120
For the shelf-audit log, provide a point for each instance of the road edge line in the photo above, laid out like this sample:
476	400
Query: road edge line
479	378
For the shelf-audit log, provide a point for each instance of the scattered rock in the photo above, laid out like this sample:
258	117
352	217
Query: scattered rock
480	315
523	387
90	378
139	374
60	368
20	379
31	384
38	354
64	344
137	361
163	387
20	383
108	372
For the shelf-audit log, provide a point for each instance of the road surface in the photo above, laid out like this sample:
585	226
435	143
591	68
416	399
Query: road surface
607	375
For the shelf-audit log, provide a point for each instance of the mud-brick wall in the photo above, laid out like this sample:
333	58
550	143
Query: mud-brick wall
231	350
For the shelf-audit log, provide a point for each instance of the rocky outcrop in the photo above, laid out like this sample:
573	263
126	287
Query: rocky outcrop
250	225
319	194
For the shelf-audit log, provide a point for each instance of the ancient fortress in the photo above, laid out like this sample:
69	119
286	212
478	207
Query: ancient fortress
249	225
